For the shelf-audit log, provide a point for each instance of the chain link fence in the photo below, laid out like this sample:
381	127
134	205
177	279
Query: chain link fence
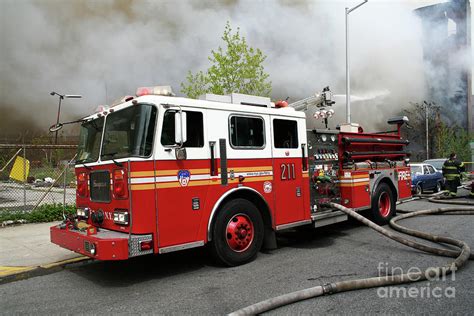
34	174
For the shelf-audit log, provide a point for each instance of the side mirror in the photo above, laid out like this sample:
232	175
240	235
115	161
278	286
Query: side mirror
180	133
418	173
55	127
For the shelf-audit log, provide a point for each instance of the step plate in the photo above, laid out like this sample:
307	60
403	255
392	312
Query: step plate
328	218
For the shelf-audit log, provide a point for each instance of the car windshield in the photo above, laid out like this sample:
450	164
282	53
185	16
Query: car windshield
89	141
415	169
129	132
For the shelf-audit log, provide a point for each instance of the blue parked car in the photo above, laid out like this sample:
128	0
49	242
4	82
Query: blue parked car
425	177
436	163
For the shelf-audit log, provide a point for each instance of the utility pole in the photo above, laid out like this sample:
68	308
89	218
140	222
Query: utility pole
348	78
427	138
426	132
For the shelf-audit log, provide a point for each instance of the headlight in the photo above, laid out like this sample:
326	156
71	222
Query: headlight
90	247
83	212
121	217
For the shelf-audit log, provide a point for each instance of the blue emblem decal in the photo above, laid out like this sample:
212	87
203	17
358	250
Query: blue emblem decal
183	177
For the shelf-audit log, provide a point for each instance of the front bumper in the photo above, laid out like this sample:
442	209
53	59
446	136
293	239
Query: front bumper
107	244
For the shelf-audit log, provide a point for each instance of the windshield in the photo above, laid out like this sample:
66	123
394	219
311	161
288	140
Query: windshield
89	141
129	132
415	169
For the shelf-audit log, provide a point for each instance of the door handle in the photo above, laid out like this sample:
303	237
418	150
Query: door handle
303	157
213	160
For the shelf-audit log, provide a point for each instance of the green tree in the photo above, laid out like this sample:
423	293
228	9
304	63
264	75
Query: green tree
443	139
416	131
453	139
236	68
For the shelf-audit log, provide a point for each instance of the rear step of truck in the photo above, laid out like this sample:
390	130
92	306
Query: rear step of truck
327	218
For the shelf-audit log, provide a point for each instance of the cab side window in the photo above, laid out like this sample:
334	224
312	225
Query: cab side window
247	132
194	126
285	133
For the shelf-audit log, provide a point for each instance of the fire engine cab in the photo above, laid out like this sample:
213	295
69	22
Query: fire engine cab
158	173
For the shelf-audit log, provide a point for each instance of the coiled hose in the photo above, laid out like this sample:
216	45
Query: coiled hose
461	256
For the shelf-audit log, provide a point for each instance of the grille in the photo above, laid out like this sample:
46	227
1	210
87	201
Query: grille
100	186
87	246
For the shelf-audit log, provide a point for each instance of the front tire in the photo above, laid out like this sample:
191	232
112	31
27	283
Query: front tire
237	234
438	187
418	189
383	204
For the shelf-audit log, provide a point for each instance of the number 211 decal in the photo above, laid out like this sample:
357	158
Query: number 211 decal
288	171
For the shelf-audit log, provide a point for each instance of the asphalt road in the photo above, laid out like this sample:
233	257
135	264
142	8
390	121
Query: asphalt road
188	282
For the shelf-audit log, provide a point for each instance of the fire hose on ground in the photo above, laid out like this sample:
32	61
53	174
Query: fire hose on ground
450	200
461	256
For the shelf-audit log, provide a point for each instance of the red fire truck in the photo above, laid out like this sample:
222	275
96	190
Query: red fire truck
158	173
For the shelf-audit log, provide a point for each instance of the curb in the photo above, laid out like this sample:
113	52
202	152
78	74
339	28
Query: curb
12	274
10	223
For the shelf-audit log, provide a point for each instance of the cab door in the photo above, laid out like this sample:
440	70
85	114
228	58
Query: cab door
182	184
287	170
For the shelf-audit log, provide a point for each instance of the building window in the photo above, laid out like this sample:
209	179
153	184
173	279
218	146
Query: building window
247	132
194	127
285	133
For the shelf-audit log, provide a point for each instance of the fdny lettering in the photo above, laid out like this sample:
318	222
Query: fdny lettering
183	177
403	175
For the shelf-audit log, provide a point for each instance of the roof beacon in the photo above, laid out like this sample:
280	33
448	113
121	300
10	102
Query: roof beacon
156	90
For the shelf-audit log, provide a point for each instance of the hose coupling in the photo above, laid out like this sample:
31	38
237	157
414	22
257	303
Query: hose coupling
329	288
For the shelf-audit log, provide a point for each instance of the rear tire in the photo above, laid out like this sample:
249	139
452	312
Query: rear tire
383	204
237	233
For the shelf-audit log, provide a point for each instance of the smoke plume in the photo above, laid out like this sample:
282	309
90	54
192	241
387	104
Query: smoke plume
106	49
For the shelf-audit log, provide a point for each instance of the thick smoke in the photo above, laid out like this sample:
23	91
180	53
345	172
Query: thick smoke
105	49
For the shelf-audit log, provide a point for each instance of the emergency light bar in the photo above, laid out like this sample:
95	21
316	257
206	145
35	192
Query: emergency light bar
156	90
